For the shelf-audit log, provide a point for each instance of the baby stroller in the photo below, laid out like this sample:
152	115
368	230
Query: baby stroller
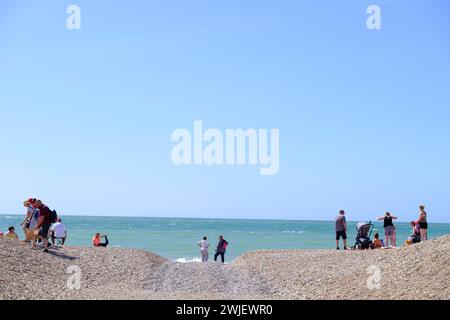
363	233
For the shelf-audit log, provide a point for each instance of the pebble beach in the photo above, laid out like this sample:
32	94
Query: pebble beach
420	271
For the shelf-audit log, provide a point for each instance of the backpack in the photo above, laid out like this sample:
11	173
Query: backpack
53	216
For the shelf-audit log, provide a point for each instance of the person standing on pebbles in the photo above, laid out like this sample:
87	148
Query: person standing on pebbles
25	224
341	229
423	224
204	245
221	249
389	229
44	223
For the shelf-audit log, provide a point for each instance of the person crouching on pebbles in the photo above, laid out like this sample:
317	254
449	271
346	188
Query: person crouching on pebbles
204	245
221	249
44	223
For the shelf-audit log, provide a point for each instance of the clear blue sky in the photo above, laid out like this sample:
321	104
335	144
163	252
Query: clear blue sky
86	115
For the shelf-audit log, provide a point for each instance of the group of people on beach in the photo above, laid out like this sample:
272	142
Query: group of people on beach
221	249
41	223
419	230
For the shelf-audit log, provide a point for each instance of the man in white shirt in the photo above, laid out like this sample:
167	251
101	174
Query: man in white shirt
204	244
59	231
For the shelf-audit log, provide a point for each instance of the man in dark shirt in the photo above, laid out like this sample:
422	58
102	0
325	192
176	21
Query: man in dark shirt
221	249
43	223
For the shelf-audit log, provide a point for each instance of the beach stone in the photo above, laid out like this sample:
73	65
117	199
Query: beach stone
115	273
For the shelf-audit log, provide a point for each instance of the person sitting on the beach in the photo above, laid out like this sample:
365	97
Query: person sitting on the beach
96	240
377	243
415	237
341	229
204	245
221	249
59	231
11	234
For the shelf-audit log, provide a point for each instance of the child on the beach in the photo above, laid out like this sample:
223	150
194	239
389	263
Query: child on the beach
377	243
11	234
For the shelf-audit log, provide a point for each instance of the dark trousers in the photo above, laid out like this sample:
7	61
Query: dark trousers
104	245
222	256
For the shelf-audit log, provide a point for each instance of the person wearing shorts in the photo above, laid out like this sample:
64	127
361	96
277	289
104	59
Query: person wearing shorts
341	229
25	224
389	229
423	224
33	223
44	233
44	223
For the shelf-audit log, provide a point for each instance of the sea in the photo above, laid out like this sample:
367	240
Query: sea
177	238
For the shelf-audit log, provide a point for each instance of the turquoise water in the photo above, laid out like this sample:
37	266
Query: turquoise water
176	238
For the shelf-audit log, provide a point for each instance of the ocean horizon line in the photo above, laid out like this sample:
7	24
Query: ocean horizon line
220	218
